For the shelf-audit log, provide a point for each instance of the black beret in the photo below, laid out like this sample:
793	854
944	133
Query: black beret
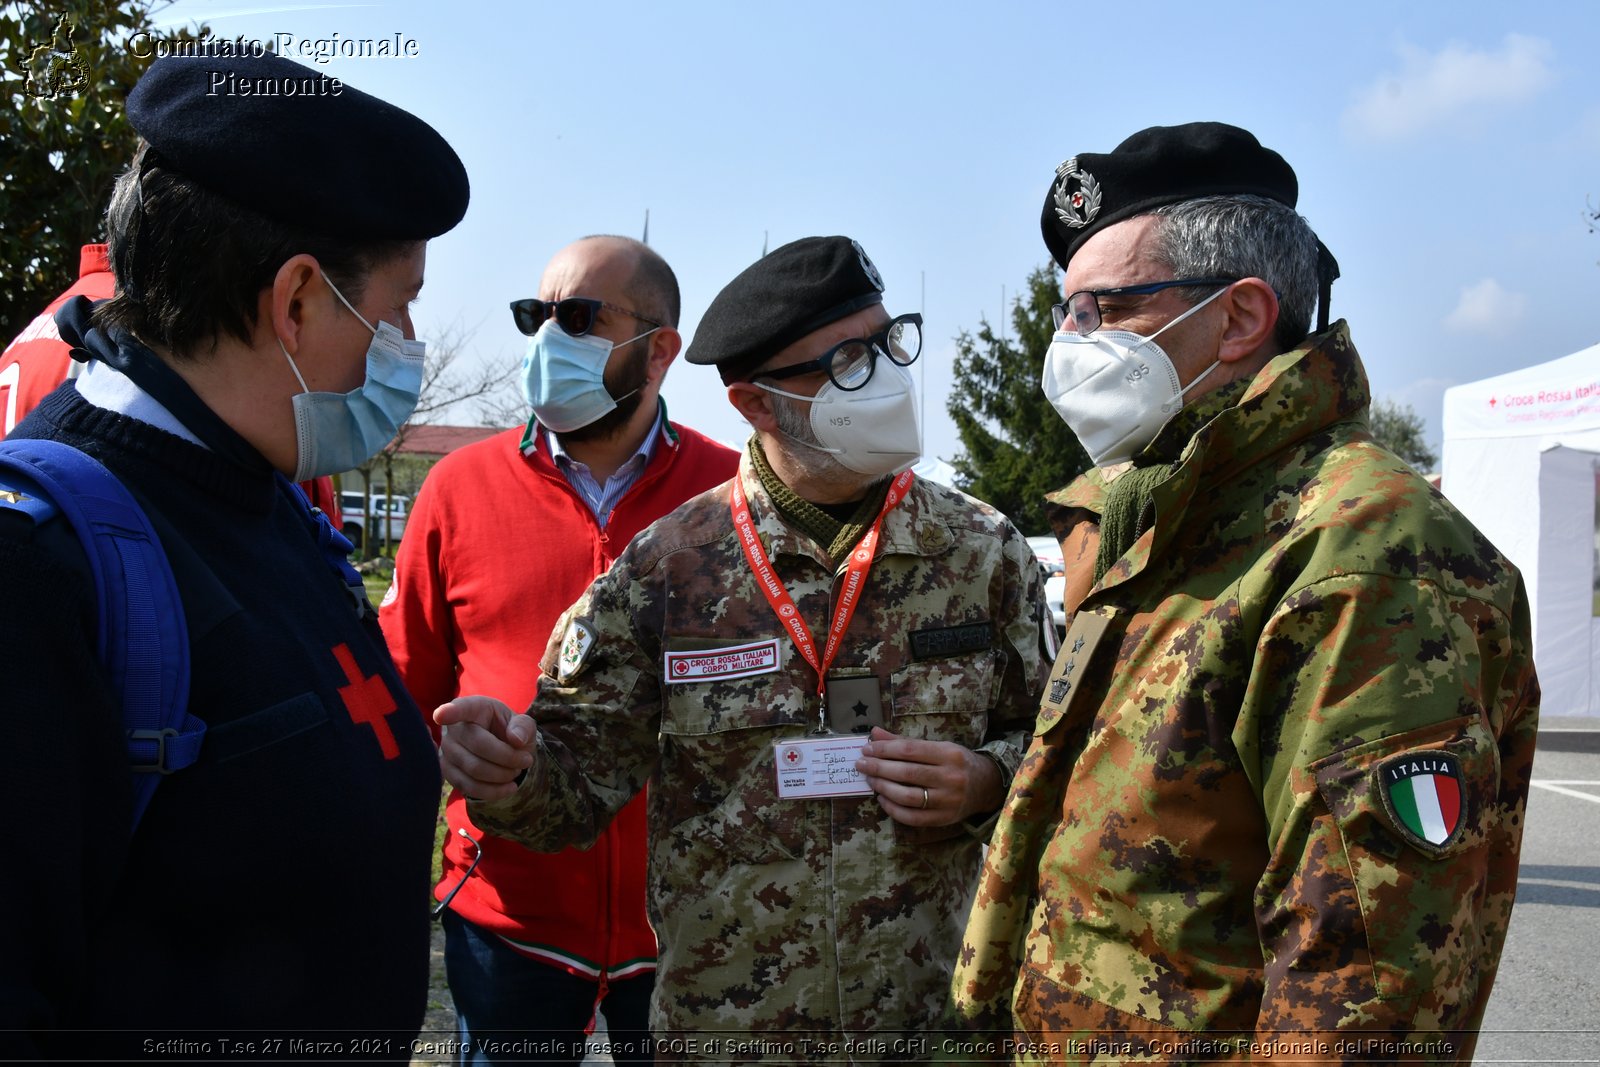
299	147
790	292
1161	165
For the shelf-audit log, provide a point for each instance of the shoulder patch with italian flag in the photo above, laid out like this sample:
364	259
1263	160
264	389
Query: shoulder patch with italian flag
1422	794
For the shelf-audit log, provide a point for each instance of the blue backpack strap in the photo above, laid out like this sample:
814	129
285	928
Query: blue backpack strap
334	546
141	637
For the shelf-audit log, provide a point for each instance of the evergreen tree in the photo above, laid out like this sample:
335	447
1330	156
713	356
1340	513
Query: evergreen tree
65	68
1015	447
1399	429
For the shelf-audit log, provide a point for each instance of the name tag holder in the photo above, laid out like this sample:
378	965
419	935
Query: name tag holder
812	768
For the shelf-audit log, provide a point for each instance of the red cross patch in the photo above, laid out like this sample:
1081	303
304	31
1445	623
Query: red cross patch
368	700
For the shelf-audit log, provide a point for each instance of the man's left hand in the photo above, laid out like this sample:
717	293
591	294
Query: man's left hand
929	783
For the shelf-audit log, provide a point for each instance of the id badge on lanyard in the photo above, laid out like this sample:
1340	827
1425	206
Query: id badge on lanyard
822	765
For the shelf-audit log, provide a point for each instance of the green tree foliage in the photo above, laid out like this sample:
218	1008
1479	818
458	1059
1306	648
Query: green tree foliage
1016	448
65	70
1399	429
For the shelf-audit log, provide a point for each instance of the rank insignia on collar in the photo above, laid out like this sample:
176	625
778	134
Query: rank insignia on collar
575	649
1422	795
1076	207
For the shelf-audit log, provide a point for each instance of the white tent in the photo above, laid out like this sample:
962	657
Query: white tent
1521	455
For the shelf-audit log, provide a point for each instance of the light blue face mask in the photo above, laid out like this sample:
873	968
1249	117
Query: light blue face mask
340	431
563	377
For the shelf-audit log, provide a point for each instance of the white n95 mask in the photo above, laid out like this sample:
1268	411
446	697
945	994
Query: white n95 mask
873	430
1114	388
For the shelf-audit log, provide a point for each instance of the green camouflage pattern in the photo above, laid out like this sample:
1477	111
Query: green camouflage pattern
816	918
1196	844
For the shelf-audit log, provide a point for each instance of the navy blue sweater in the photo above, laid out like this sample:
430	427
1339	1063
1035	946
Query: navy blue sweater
280	885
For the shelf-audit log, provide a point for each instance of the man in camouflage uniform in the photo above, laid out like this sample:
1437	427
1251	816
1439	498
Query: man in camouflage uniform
813	920
1277	782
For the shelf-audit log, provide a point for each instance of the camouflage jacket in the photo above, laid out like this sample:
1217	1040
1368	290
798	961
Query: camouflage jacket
814	918
1216	828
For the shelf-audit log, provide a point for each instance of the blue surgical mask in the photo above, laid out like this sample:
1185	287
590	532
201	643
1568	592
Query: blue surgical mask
563	377
340	431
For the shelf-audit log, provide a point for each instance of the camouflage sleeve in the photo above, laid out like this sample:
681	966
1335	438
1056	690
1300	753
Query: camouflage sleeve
1392	726
1027	647
599	714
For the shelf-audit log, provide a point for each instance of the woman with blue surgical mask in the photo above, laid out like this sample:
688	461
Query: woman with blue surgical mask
336	432
266	247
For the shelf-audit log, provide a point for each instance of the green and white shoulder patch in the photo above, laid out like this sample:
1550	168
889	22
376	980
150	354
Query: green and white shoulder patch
575	649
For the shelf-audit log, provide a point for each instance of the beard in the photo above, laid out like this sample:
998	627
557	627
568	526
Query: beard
795	426
628	382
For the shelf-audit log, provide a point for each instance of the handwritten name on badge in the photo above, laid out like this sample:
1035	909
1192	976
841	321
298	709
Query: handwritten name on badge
732	661
820	767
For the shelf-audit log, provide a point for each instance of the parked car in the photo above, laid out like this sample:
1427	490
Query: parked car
1053	566
380	510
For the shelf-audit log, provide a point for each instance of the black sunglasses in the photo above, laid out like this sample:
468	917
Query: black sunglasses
575	315
849	364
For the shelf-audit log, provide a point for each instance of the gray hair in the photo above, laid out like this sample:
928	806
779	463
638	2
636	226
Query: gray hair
1245	237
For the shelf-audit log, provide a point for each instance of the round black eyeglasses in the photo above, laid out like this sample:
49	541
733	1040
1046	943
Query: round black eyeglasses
849	364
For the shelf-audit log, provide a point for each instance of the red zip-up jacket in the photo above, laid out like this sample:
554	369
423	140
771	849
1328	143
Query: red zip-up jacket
38	359
497	546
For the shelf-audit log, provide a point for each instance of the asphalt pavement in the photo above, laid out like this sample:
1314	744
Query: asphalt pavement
1545	1007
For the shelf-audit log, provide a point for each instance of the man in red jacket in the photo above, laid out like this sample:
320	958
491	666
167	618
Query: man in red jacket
502	537
38	360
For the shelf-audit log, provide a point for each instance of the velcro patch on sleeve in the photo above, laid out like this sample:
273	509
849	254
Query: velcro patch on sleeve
575	649
1422	795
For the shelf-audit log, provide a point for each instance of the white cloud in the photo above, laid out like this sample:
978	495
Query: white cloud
1457	85
1486	307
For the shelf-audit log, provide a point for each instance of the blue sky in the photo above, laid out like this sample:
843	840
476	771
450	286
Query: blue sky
1445	151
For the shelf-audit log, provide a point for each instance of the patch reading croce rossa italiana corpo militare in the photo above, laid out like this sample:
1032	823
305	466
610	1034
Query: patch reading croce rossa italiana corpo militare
1422	794
716	664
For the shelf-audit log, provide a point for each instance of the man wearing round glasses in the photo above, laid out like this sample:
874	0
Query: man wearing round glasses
829	666
504	536
1277	783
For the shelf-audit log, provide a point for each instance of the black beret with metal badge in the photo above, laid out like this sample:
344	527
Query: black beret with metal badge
1166	165
1161	165
792	291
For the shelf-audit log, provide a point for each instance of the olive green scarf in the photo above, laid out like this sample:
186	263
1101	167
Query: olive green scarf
839	536
1130	500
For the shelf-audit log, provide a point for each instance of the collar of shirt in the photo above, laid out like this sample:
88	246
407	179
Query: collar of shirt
602	498
105	386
